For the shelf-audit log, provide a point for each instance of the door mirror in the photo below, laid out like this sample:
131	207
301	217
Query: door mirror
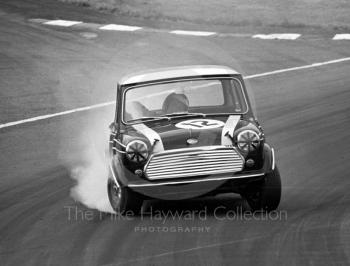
112	126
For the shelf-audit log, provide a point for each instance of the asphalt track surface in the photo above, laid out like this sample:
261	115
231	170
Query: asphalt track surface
305	113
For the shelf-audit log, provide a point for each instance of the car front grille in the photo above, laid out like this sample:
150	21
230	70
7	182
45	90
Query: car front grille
192	162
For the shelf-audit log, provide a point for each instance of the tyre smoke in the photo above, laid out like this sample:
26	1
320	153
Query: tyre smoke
88	163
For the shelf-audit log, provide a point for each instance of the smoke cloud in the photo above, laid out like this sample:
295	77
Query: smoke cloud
88	163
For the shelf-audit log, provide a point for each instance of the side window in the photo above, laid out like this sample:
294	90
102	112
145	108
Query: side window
237	96
234	96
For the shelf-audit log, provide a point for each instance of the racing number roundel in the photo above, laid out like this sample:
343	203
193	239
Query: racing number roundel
200	124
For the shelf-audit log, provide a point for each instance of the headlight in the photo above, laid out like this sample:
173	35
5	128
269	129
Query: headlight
248	140
136	151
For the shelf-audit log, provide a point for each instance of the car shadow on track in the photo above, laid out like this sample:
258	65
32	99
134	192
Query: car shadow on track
208	206
211	206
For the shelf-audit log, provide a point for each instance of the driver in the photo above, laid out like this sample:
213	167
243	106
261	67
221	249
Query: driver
174	103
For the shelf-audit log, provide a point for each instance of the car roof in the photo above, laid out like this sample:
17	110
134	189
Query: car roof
177	72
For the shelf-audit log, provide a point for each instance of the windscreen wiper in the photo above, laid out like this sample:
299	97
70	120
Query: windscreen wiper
145	118
180	114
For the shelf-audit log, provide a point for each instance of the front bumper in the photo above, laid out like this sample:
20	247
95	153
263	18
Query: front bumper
196	180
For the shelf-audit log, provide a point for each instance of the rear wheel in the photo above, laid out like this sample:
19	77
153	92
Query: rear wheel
265	195
123	199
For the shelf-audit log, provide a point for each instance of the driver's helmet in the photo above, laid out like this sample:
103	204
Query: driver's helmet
175	102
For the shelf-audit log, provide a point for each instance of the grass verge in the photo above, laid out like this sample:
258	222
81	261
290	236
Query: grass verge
287	14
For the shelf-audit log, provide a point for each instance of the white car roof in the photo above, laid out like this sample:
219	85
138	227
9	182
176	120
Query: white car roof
177	72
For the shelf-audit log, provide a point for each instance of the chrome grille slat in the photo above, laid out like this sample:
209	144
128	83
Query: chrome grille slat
201	157
155	170
156	165
192	162
195	165
197	169
203	153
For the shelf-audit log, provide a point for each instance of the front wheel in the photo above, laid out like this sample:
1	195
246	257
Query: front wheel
123	199
265	195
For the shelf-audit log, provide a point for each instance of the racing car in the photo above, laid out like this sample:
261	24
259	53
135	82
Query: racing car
187	132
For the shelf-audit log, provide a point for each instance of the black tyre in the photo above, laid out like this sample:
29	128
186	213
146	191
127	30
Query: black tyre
123	199
265	195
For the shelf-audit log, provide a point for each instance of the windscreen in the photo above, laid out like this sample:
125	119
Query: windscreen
207	96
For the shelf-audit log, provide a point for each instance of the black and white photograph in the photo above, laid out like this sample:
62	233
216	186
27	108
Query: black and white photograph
174	132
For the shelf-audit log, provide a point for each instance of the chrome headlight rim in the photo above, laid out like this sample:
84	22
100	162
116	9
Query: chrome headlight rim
136	151
250	143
